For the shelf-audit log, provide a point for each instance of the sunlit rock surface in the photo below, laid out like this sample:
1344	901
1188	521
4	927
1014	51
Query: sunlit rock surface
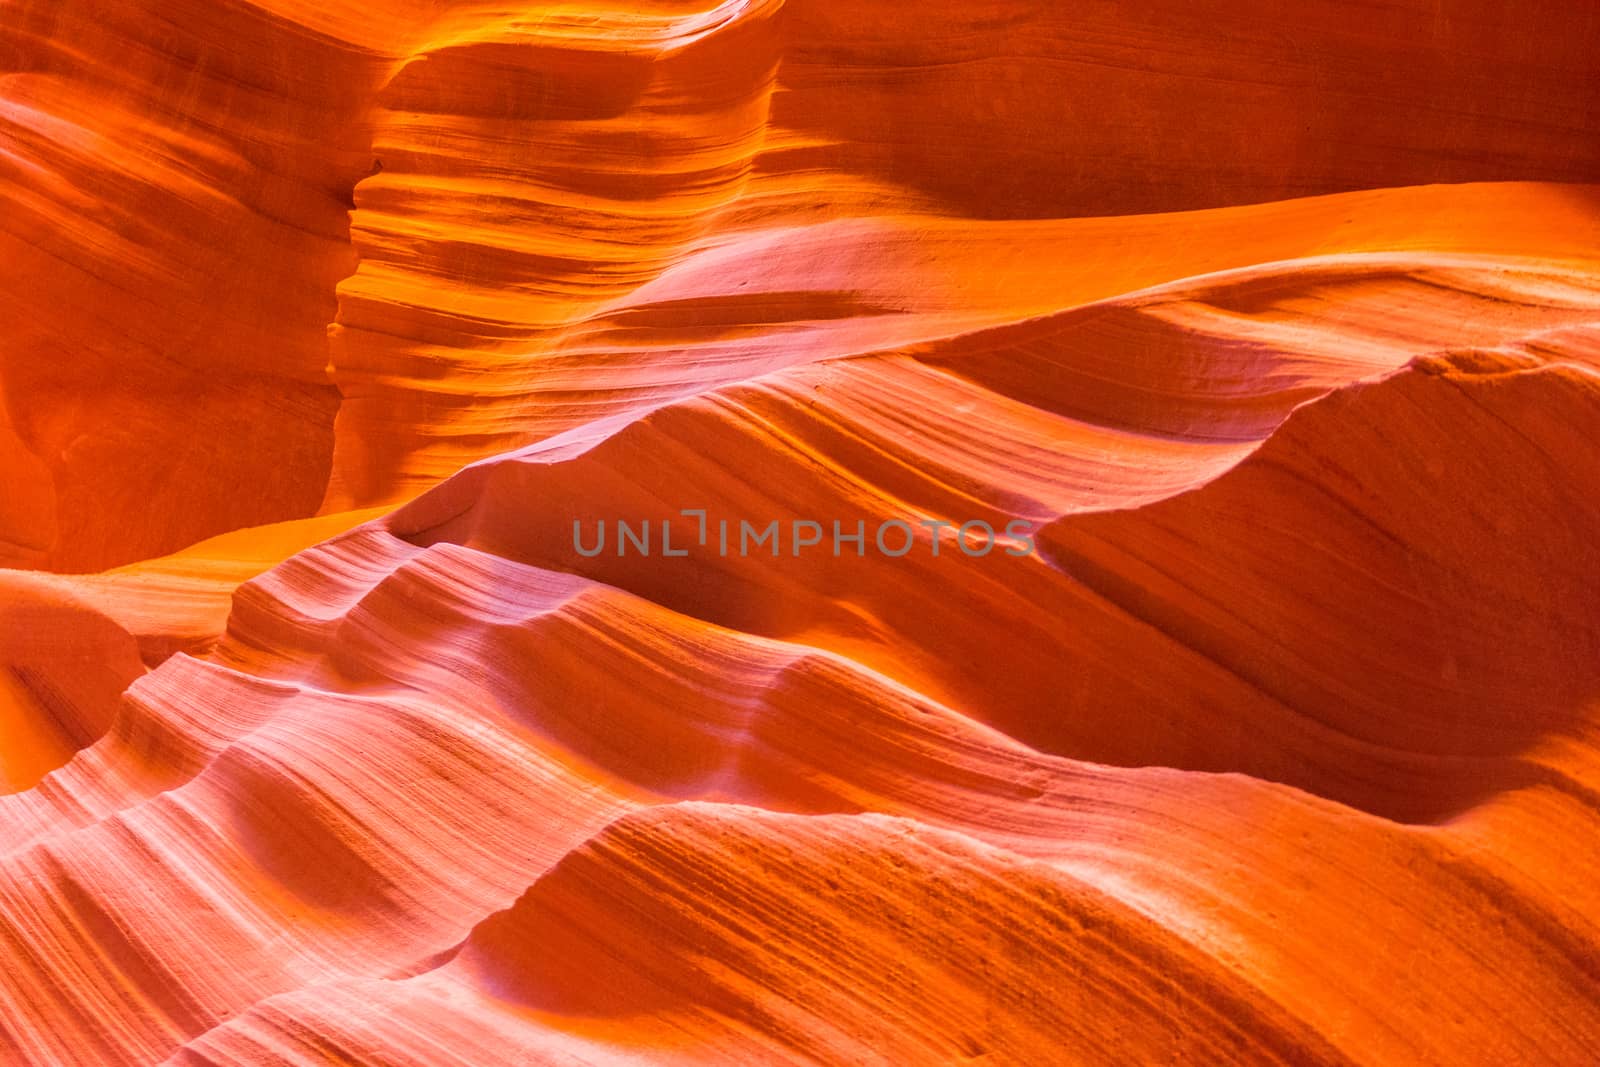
1277	326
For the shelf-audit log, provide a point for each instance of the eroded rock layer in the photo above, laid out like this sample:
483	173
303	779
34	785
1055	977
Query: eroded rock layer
1264	339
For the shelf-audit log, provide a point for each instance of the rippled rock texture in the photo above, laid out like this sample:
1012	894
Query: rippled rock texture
1265	337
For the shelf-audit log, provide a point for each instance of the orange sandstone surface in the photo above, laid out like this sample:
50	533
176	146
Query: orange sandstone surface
1212	387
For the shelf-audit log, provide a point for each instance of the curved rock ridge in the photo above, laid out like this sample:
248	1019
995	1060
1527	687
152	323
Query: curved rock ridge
483	690
1169	438
462	376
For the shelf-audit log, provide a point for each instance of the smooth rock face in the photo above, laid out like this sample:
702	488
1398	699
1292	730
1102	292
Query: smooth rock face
1264	337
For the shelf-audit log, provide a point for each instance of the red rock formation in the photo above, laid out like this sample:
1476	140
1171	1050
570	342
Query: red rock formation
1265	337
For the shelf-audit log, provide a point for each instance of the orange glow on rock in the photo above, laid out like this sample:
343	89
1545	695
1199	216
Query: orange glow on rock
432	438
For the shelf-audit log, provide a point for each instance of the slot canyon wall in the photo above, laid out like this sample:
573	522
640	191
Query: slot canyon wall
1175	427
